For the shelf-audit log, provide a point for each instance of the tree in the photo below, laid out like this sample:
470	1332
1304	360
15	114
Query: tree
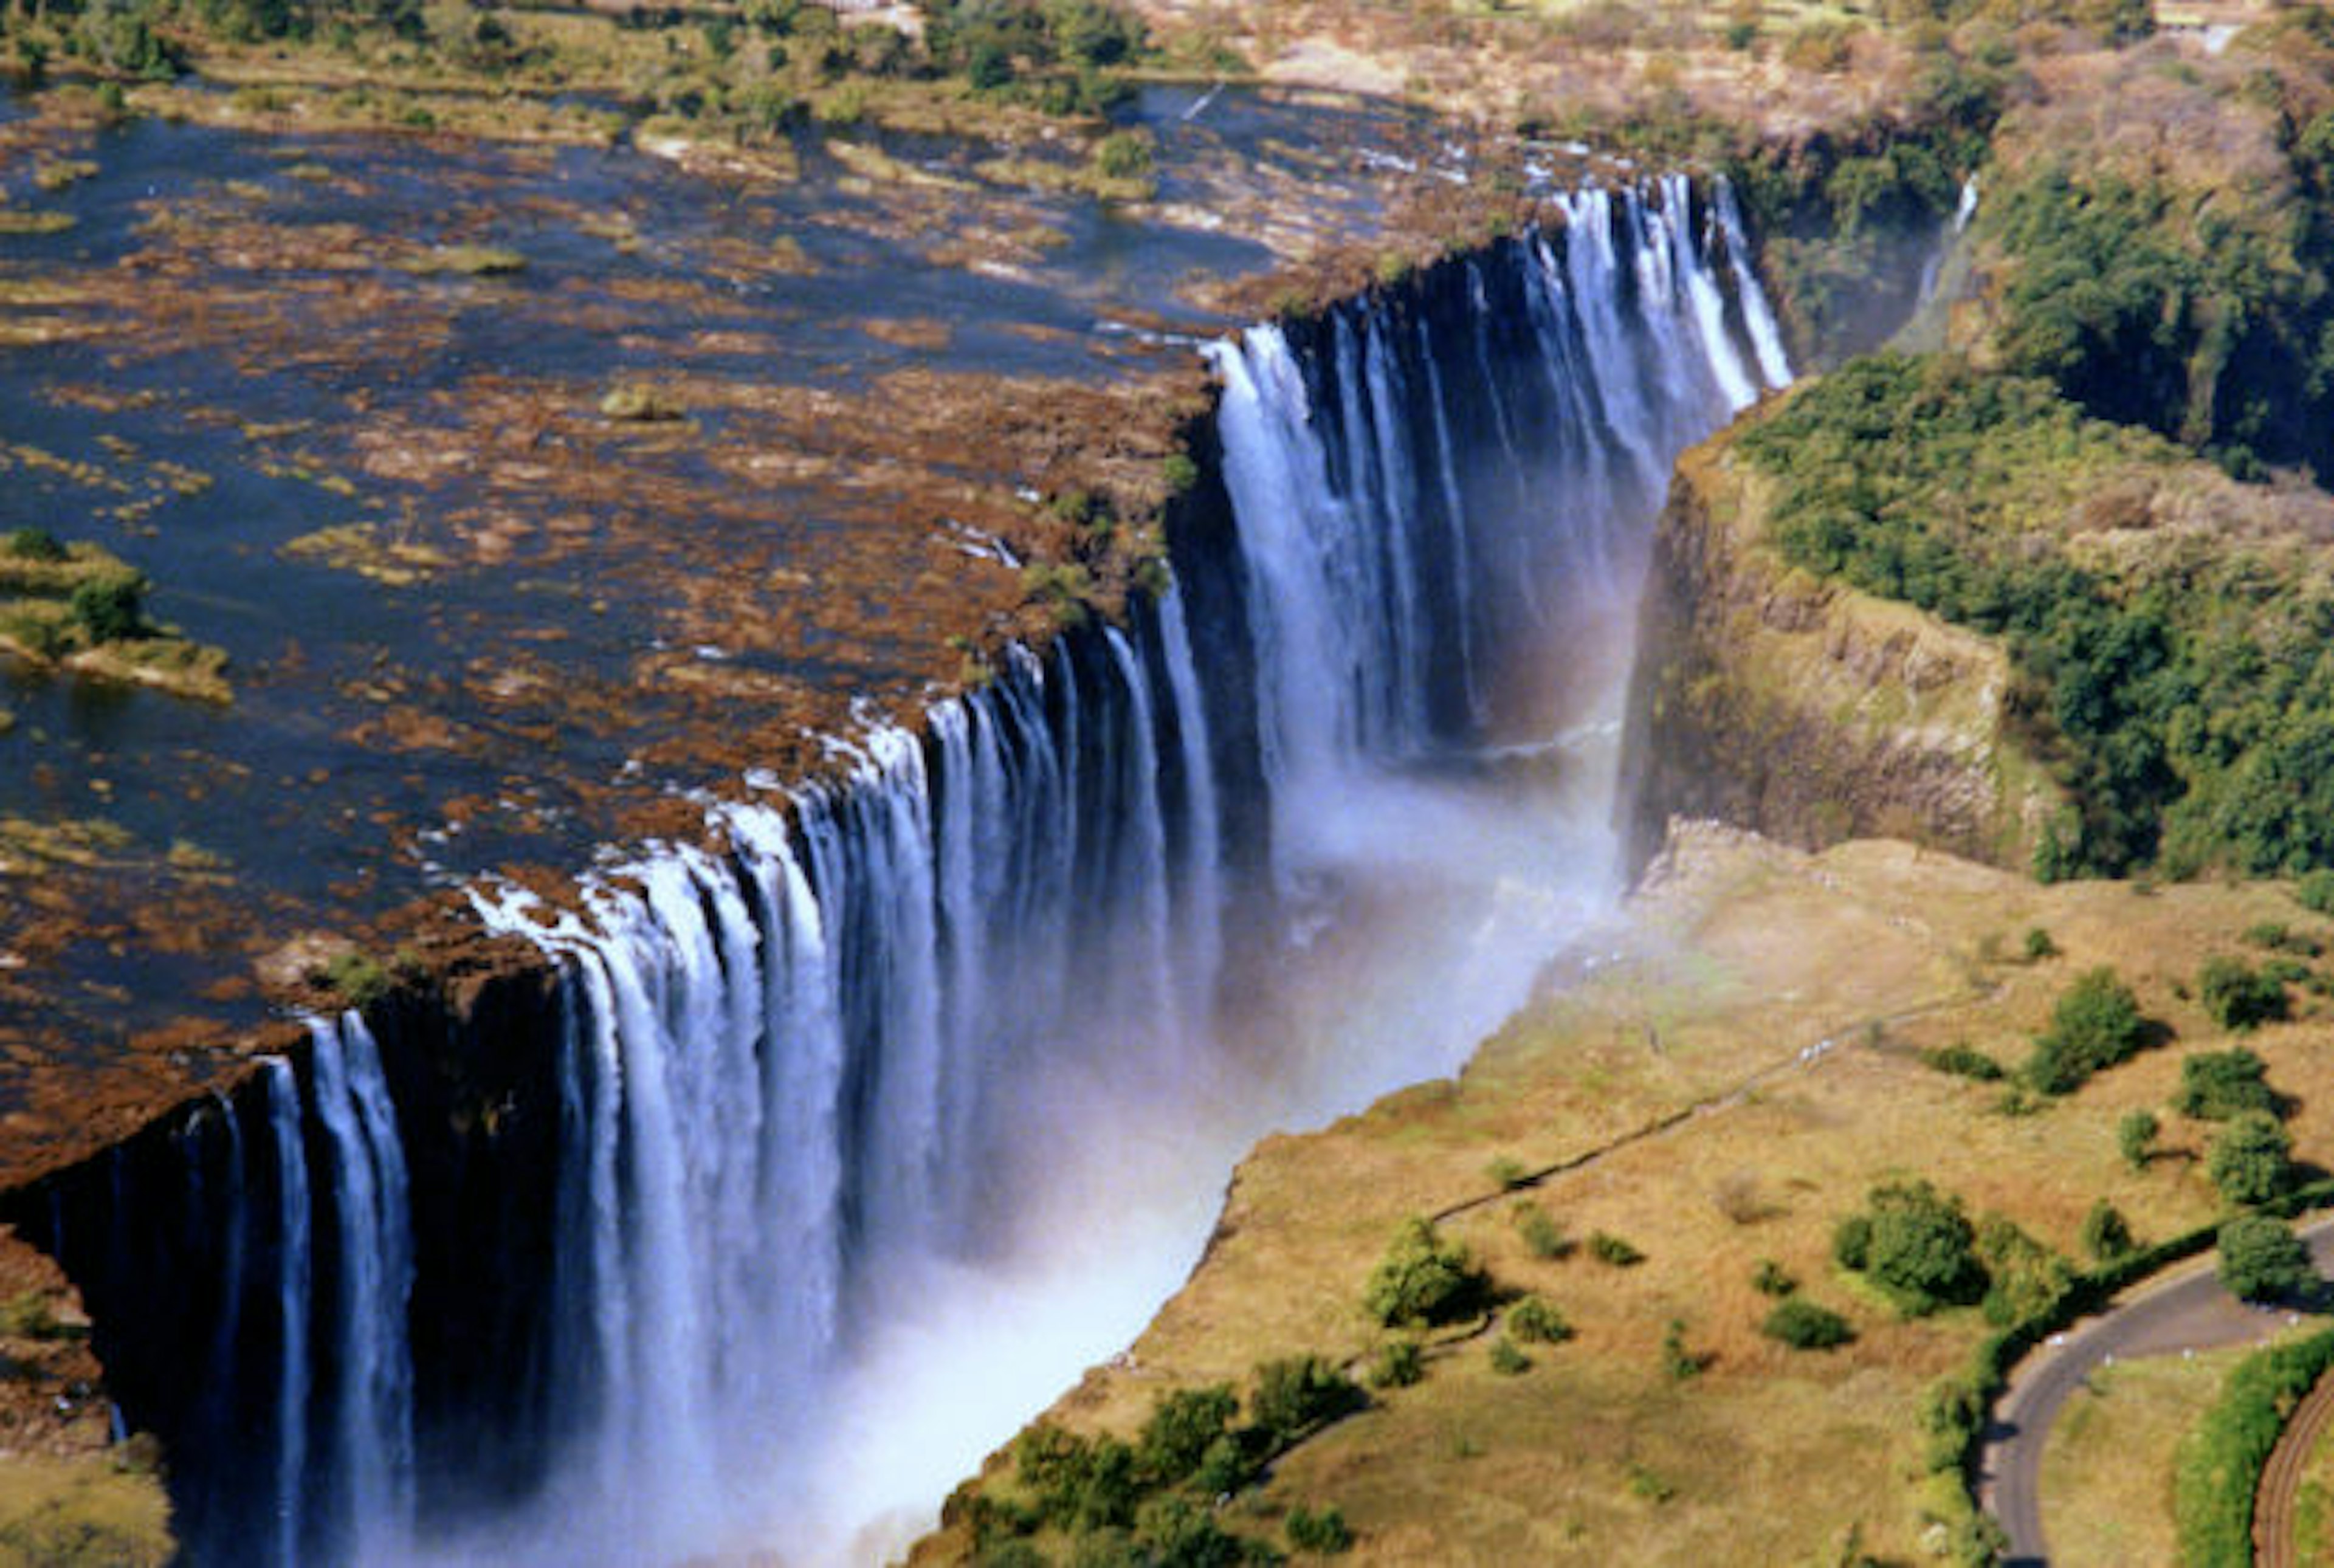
2215	1085
1920	1247
2236	996
2107	1234
111	609
2096	1024
2262	1259
2136	1137
1423	1279
1182	1425
2252	1159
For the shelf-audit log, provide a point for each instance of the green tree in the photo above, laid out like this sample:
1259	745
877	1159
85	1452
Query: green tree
2094	1025
2236	996
111	609
2215	1085
2252	1159
2136	1137
1917	1245
1423	1279
2261	1259
2107	1234
1182	1425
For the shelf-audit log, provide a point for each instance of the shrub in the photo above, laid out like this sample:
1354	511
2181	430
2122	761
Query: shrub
1397	1365
1507	1172
1298	1393
1962	1062
1770	1279
2252	1159
1917	1246
1543	1238
2094	1025
1124	154
2107	1234
1506	1360
1606	1248
2261	1259
1182	1426
2238	996
2038	946
1679	1363
1225	1467
2215	1085
2136	1137
1325	1533
1535	1320
1425	1279
1851	1243
1078	1482
1805	1326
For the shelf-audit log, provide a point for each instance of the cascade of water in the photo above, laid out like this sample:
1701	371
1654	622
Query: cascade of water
293	1206
804	1071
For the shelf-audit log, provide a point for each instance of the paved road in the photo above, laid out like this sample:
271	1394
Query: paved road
2188	1312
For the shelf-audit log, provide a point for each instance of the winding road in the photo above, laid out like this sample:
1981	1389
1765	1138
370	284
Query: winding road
2188	1311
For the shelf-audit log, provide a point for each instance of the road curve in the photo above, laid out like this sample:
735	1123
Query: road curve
2188	1311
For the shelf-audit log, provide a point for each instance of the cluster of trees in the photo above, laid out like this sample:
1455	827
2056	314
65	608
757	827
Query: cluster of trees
2187	705
1049	53
1151	1501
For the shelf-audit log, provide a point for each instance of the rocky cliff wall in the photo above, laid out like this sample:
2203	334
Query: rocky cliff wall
1801	708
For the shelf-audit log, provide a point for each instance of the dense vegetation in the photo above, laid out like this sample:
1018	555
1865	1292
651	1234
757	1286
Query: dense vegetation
2184	697
2220	1459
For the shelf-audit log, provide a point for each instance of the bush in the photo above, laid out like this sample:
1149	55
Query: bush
2237	996
1543	1238
1225	1467
1507	1172
1962	1062
1182	1425
1079	1483
2094	1025
2038	946
2215	1085
1325	1533
1298	1393
1124	154
1506	1360
2261	1258
1538	1320
1606	1248
2252	1159
1423	1279
2025	1278
1770	1279
2107	1234
1175	1529
1916	1246
2135	1137
1679	1363
1397	1365
1805	1326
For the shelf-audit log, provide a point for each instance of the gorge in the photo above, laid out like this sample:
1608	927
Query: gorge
754	1189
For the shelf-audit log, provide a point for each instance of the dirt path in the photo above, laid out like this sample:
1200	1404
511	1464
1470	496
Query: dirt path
2274	1545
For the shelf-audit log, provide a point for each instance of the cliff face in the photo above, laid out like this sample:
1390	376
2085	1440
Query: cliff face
1804	709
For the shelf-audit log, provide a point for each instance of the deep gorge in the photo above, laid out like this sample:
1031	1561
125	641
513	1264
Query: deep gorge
584	1253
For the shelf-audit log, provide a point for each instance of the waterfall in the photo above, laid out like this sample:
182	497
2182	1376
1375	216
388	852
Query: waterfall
901	1096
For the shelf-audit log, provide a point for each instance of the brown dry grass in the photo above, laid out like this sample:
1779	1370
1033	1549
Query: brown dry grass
1747	956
